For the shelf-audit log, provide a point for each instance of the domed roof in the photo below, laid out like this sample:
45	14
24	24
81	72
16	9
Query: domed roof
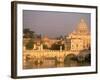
45	38
82	27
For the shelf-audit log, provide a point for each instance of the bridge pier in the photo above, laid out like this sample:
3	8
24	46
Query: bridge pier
39	61
60	59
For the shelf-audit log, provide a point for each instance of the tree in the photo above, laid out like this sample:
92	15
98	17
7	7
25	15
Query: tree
39	36
29	45
32	34
60	37
84	55
28	33
26	30
88	58
45	46
56	46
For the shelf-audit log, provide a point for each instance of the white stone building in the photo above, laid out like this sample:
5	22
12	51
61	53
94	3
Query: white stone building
79	39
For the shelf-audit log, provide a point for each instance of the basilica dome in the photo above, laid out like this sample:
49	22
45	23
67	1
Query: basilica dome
82	27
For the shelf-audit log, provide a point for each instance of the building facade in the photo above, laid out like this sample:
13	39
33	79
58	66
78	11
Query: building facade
79	39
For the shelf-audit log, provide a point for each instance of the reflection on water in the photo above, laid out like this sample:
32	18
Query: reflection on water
52	63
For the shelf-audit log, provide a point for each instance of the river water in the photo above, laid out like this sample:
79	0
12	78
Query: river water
53	64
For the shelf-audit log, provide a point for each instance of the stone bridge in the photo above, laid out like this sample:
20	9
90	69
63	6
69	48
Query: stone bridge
41	55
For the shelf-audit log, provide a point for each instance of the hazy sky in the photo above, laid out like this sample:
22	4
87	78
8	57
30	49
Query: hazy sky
53	24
